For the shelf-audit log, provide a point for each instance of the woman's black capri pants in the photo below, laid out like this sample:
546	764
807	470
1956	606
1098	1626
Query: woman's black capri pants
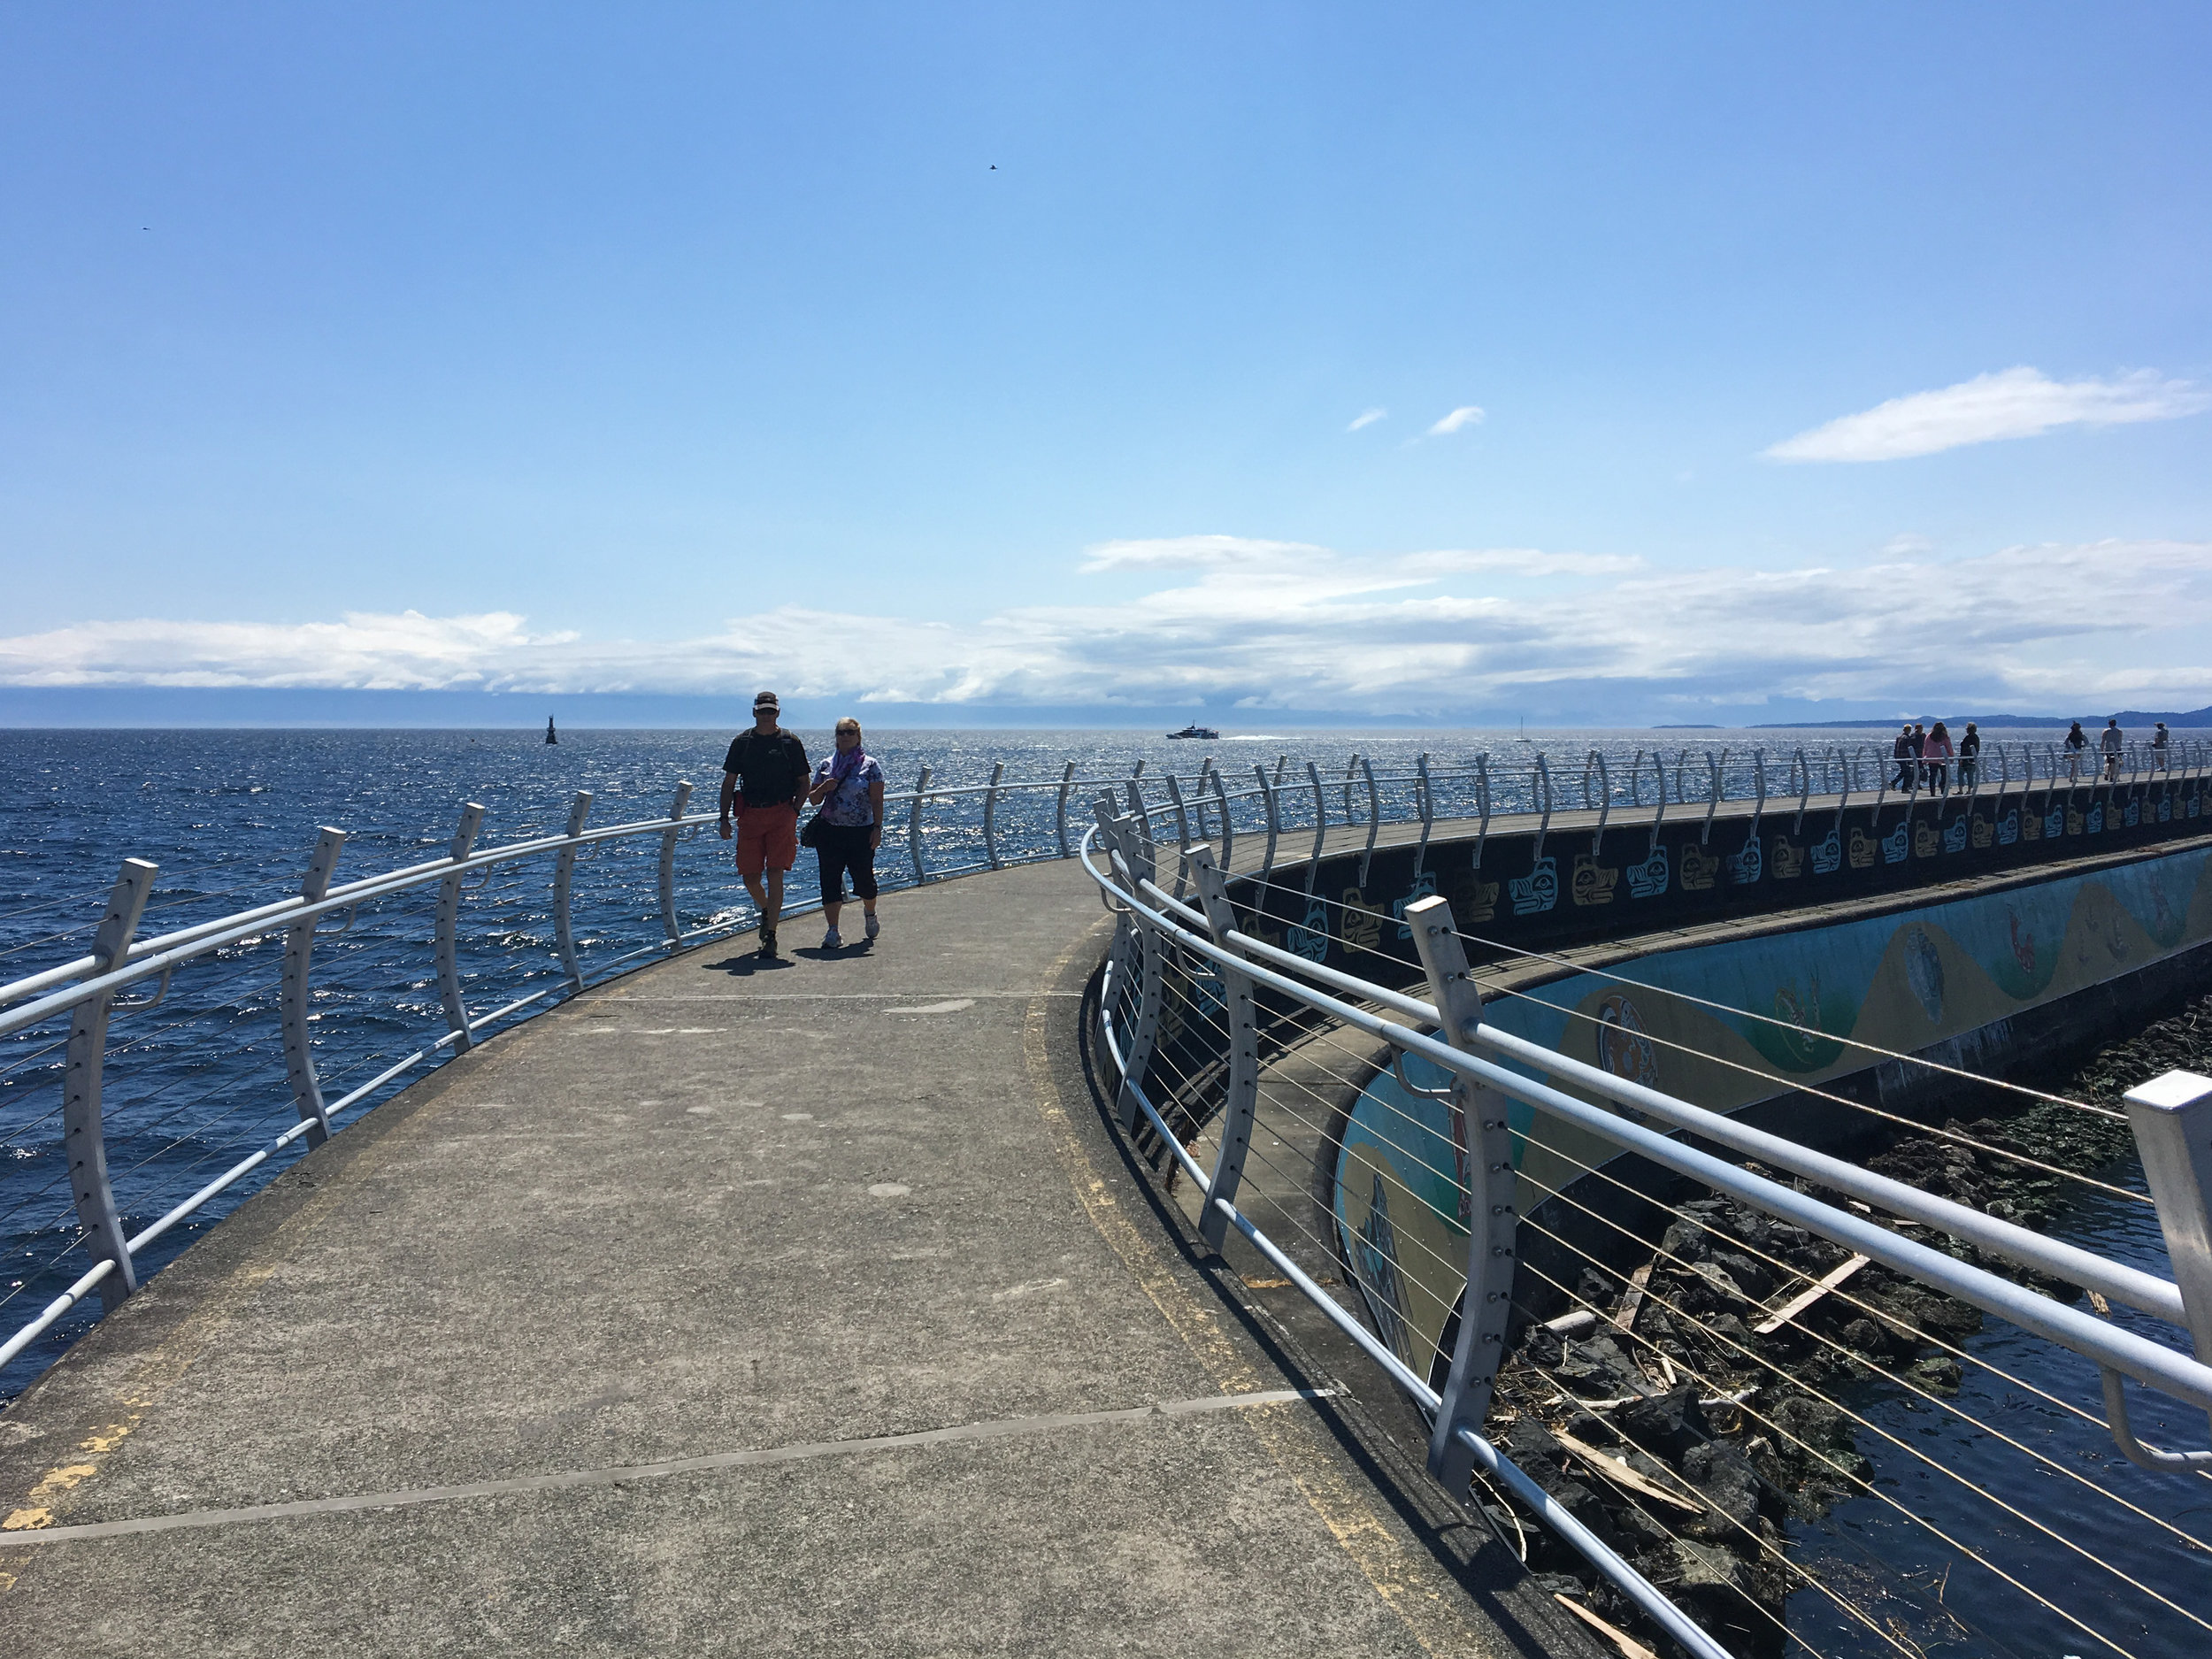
845	846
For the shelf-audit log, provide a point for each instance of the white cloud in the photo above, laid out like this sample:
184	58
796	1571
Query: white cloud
1292	625
1366	418
1186	552
1465	415
2019	403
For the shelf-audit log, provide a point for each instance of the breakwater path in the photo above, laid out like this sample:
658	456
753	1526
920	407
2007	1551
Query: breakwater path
802	1308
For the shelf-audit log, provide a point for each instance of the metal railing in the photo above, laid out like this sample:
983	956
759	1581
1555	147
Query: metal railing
1205	1026
139	1077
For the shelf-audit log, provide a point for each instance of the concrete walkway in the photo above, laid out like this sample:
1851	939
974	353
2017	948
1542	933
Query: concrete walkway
800	1309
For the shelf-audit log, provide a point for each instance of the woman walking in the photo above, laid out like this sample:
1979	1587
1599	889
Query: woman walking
849	788
1935	757
2076	741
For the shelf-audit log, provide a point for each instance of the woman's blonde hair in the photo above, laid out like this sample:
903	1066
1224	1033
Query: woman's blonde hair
848	721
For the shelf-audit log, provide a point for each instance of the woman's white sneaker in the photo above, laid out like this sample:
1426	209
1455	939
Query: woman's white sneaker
830	941
874	927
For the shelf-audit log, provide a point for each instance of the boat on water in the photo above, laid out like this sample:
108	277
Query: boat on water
1205	732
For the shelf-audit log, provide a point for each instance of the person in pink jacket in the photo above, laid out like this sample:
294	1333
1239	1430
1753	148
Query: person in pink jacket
1935	759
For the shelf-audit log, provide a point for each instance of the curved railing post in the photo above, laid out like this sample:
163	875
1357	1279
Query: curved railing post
990	815
914	825
1483	1147
1182	833
1425	796
1482	803
1060	813
1228	829
83	1136
1636	779
1274	825
299	948
1351	770
1243	1087
1713	793
1320	826
1659	812
1605	800
449	953
1801	774
1141	826
563	882
1542	782
670	925
1374	820
1146	947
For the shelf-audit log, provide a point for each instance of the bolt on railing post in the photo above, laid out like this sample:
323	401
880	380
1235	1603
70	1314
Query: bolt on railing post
1060	813
1374	820
670	925
1243	1087
83	1136
1483	1147
299	950
563	882
449	953
914	825
990	815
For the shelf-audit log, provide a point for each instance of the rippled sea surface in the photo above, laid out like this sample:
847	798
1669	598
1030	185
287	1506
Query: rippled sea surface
198	1081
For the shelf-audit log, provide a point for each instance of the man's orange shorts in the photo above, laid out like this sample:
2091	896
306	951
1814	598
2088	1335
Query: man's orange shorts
767	839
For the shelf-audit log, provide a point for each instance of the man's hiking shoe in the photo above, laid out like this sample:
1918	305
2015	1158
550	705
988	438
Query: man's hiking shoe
768	941
830	941
874	927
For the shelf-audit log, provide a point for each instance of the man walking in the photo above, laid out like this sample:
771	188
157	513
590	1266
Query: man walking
764	775
2111	743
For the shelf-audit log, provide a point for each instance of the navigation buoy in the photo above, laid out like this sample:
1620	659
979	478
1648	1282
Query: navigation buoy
549	730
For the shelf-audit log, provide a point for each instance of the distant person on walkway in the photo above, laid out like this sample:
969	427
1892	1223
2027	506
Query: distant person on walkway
2077	741
1935	757
2158	747
764	775
849	788
2111	742
1970	756
1906	756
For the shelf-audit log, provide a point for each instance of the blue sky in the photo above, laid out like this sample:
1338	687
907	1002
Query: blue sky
1823	361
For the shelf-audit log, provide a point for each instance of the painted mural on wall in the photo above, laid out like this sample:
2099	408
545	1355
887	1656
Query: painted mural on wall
1522	889
1899	982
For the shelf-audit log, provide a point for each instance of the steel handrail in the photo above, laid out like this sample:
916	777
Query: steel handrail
2106	1345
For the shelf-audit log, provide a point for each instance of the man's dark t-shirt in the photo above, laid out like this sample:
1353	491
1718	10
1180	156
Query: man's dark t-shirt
771	770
